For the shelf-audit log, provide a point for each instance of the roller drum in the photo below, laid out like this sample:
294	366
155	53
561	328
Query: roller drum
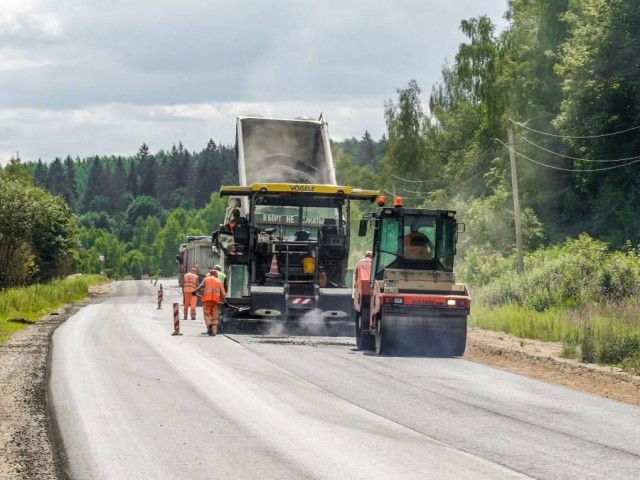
418	335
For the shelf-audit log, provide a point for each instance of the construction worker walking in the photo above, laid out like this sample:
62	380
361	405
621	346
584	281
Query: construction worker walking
189	285
213	295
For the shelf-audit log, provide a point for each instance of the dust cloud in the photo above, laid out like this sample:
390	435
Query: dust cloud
311	323
284	151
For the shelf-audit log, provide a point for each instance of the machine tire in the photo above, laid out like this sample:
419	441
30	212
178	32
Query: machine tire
368	342
383	339
364	340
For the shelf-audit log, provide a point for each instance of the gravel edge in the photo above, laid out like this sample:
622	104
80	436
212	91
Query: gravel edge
30	442
29	439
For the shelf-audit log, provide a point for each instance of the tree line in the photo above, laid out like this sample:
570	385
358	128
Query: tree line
176	178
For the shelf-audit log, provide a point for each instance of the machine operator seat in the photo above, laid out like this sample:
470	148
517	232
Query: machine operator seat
417	246
329	238
241	236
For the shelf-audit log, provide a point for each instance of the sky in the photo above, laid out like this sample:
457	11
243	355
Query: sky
101	77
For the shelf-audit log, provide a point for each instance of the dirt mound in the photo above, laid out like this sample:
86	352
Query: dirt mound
541	360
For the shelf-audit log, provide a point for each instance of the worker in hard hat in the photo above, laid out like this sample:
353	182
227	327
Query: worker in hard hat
189	285
213	295
363	267
221	276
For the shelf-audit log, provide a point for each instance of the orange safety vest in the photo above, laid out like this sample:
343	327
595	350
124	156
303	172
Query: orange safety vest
363	269
213	290
190	282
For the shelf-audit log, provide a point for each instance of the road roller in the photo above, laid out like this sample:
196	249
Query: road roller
410	303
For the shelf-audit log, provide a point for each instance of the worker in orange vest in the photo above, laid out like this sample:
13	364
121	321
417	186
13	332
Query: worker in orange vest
189	285
363	267
213	295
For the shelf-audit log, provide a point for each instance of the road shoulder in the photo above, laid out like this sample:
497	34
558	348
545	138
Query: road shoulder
542	361
27	433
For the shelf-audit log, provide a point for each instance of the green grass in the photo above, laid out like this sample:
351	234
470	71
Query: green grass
581	293
35	301
608	334
523	322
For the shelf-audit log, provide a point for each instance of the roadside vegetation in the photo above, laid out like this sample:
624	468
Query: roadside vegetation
24	305
579	293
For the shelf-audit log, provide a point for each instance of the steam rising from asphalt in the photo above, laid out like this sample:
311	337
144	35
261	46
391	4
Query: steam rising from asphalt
311	324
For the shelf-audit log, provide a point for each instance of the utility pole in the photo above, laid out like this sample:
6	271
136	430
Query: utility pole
516	198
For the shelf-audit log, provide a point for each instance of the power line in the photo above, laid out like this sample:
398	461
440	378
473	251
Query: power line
576	158
474	176
447	188
413	191
573	136
408	180
440	178
561	168
403	196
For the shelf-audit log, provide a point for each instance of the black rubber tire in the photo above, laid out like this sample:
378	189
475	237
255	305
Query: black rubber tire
364	341
383	339
368	342
358	330
381	344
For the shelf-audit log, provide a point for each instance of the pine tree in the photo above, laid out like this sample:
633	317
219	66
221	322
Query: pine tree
56	181
40	174
147	171
169	179
367	150
208	174
70	194
132	180
119	186
189	177
94	183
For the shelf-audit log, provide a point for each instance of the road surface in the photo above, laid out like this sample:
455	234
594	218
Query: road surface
134	402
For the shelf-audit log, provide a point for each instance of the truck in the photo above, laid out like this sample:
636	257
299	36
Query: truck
284	243
411	304
195	252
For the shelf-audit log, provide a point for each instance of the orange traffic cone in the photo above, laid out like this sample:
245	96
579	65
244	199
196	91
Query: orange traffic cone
274	265
273	273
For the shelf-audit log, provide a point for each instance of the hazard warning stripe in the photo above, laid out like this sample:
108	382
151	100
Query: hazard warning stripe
301	301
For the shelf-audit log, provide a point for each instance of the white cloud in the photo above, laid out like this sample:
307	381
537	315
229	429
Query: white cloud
120	129
28	20
85	77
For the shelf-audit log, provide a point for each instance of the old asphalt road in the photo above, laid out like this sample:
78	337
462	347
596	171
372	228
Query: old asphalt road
132	401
